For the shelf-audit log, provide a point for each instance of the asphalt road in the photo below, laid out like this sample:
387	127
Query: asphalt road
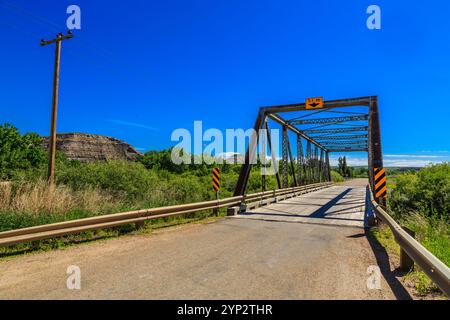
310	247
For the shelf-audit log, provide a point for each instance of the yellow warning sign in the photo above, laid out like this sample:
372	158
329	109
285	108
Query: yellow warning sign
380	182
216	179
314	103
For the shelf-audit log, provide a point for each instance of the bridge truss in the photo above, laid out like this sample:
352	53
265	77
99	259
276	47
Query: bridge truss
345	125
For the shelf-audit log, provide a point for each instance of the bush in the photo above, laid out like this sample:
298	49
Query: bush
420	201
426	191
19	152
336	177
129	179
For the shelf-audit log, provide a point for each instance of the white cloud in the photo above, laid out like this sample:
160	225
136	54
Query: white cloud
409	163
395	160
410	156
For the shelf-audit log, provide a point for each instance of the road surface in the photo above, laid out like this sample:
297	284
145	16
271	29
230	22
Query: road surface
310	247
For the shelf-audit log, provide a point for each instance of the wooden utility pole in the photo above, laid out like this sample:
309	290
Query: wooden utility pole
52	142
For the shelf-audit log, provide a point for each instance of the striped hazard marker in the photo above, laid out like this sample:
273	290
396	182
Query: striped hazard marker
380	182
216	179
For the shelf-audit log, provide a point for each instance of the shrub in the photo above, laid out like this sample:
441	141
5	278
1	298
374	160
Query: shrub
426	191
19	152
336	177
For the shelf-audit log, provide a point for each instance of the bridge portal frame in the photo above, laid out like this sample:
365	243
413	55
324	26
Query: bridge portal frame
311	161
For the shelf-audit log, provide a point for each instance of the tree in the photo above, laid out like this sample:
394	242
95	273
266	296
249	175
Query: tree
343	169
19	151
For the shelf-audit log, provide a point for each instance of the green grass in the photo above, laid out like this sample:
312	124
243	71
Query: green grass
433	234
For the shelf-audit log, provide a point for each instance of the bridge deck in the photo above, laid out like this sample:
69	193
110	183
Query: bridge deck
342	205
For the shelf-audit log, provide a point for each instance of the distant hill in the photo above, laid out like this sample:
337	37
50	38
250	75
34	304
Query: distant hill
92	147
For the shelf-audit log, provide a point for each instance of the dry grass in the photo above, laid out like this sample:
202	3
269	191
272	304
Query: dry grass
37	198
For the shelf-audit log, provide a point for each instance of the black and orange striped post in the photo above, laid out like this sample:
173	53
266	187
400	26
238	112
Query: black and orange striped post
216	184
216	180
380	189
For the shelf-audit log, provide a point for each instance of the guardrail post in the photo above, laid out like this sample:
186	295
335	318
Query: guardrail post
406	263
232	211
139	225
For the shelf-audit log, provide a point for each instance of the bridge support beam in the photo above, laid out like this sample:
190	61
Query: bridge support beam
375	153
291	158
309	172
327	166
272	155
321	167
284	146
250	155
300	162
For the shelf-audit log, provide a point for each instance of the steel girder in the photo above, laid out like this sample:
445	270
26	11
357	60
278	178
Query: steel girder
346	143
301	173
374	148
331	120
284	152
324	139
250	154
272	154
277	118
316	165
335	130
327	166
321	168
356	149
330	104
308	163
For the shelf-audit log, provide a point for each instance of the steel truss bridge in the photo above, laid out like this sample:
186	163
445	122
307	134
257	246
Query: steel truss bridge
317	134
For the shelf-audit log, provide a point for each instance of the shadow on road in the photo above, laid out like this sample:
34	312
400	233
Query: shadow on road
320	213
382	258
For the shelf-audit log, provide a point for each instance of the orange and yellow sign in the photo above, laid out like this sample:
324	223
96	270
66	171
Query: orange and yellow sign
314	103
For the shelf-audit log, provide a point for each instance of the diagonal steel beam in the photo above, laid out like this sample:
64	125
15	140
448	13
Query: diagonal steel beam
272	154
283	122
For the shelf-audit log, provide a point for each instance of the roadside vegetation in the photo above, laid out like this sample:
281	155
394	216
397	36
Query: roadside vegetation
420	201
89	189
336	176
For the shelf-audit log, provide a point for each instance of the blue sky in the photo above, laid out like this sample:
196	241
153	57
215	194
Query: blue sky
137	70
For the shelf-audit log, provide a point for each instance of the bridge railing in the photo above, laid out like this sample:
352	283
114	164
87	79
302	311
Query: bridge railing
59	229
435	269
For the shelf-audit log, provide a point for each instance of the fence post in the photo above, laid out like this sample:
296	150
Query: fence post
406	263
139	225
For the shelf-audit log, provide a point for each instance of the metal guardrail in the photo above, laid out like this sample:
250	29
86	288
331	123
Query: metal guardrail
435	269
116	219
